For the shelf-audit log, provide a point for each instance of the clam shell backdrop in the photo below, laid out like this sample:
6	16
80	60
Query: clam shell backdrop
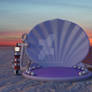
57	43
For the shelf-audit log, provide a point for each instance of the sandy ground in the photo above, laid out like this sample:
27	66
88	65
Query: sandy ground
12	83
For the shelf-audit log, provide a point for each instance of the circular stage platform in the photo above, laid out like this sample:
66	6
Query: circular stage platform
57	73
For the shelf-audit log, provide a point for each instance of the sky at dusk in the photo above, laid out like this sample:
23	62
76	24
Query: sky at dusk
19	16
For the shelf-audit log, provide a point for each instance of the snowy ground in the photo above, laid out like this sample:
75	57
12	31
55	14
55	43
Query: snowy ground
11	83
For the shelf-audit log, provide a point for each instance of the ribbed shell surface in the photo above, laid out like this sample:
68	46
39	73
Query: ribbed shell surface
57	43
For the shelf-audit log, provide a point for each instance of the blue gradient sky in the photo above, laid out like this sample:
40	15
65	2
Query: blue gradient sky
22	15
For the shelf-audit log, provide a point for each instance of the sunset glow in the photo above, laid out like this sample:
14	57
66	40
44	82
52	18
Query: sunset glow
19	16
11	38
9	43
90	41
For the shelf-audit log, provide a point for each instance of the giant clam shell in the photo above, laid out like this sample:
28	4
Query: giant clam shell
57	43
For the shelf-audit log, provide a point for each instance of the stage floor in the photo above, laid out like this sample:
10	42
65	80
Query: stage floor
11	83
